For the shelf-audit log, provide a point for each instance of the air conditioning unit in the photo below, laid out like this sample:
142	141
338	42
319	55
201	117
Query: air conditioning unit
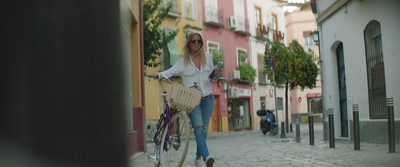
232	22
233	92
235	75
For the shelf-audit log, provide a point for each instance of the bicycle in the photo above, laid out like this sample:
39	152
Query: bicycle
173	131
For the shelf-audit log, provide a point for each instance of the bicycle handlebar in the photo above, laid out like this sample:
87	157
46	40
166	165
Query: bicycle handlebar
160	78
163	78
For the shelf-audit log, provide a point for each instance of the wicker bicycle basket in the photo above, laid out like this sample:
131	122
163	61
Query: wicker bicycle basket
183	98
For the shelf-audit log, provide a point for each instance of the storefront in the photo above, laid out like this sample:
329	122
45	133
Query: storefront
239	111
314	102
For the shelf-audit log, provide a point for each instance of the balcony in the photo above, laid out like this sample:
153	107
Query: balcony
278	36
214	17
242	26
262	32
262	77
173	12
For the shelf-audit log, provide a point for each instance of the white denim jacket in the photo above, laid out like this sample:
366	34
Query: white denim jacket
192	74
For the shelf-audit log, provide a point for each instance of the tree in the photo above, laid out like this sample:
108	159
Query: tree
304	70
154	39
293	66
281	55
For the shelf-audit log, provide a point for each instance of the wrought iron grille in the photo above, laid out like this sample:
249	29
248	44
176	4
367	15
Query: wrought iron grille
375	71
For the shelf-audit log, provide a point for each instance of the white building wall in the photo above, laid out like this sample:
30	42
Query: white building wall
347	26
258	47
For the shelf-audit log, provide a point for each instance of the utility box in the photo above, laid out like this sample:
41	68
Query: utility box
233	92
235	75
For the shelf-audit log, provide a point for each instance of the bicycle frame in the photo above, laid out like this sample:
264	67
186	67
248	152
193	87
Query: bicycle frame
164	120
169	127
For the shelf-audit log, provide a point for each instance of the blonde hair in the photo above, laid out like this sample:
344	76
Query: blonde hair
186	50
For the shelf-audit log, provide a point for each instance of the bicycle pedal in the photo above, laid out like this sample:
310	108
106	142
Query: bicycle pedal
175	142
152	157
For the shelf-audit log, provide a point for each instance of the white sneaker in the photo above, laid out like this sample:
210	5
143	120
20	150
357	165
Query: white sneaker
199	163
210	161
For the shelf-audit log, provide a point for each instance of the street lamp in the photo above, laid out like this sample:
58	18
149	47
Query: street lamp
315	36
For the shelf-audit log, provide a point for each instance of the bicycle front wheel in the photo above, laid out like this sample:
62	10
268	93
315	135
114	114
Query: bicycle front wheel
175	141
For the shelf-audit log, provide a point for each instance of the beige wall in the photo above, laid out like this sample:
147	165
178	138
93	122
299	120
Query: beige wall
135	57
297	23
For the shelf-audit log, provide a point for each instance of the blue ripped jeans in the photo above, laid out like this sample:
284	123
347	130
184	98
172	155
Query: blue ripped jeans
200	116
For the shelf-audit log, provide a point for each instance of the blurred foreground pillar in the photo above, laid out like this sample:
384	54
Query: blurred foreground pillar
62	84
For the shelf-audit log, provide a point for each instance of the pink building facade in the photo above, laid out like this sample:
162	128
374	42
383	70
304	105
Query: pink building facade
225	27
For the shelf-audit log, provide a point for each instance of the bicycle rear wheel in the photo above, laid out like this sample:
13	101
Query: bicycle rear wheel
175	141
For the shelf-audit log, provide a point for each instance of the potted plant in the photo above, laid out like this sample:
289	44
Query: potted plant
247	72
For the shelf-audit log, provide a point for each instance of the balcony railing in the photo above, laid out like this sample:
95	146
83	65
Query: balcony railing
242	26
214	16
262	78
262	32
278	36
173	12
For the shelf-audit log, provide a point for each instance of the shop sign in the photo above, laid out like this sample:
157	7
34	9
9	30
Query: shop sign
244	93
314	95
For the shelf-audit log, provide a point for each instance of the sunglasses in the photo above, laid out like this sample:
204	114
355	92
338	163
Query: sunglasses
198	41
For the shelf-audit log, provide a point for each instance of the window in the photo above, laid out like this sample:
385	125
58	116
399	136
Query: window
241	56
258	16
274	21
258	21
211	9
375	71
274	26
173	9
212	47
308	41
170	51
315	104
189	8
279	103
239	15
262	79
262	102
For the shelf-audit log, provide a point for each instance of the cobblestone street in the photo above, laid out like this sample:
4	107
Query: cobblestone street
253	149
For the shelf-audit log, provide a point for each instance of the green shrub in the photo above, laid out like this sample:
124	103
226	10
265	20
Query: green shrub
247	72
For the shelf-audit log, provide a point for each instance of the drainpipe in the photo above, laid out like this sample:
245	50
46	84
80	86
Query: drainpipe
142	72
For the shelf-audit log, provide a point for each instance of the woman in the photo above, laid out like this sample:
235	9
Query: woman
196	66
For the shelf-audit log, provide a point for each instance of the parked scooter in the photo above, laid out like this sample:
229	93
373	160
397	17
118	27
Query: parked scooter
268	122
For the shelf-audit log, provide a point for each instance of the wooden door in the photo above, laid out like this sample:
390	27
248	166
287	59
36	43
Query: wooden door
214	117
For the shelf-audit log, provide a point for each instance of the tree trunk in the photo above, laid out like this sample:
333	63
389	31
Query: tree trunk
286	107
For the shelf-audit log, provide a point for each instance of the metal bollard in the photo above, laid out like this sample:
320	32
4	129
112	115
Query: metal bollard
283	135
331	129
291	128
356	127
390	111
297	130
311	127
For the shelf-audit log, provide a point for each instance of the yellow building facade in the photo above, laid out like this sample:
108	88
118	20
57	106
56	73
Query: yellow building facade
185	16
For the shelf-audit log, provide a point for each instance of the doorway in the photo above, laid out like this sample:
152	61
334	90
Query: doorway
214	117
238	114
342	91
